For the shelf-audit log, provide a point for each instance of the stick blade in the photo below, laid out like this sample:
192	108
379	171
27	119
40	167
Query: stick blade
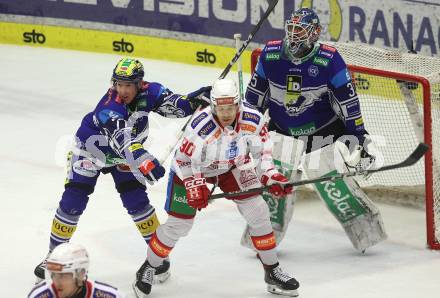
418	153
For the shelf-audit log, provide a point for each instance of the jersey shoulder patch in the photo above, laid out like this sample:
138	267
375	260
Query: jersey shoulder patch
272	50
324	55
277	42
251	115
106	114
41	290
101	293
199	118
207	129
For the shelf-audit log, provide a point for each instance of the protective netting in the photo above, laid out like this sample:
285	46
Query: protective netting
393	111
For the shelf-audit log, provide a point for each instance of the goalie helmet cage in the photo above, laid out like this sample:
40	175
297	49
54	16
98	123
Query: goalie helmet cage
400	103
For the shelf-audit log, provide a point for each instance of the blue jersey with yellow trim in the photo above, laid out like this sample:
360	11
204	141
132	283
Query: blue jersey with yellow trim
114	132
305	95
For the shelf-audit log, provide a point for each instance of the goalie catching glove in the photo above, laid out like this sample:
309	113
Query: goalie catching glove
197	193
361	158
277	182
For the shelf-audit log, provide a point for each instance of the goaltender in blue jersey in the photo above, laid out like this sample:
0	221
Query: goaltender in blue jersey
307	90
313	95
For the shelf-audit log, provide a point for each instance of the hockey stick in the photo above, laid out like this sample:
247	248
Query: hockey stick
414	157
270	8
237	37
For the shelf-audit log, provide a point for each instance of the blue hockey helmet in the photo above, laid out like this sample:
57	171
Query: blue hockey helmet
128	70
302	31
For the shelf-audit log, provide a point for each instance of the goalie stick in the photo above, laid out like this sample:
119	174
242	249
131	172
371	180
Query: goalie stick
270	8
414	157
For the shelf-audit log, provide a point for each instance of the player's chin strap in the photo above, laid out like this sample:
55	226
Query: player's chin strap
414	157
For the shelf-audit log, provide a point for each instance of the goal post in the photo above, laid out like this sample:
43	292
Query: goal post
399	95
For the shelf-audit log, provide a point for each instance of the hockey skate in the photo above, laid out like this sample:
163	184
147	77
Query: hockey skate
39	271
148	275
279	282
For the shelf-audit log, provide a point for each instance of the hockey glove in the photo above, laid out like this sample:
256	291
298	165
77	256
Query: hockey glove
197	193
277	182
199	97
152	170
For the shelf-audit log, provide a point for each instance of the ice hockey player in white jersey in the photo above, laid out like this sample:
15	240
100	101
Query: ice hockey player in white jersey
227	145
307	90
67	268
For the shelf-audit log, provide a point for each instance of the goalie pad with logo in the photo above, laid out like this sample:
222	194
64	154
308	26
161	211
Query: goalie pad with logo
286	154
357	214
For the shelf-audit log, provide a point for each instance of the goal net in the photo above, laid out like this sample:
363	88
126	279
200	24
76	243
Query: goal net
400	103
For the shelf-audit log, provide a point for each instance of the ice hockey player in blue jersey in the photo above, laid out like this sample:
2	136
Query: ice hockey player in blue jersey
307	90
109	140
67	266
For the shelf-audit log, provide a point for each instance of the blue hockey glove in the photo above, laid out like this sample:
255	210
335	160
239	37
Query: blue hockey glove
152	170
199	97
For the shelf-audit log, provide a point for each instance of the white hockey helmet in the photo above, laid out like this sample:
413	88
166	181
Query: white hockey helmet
68	258
224	92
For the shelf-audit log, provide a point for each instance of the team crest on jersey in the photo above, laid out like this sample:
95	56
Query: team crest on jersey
293	89
207	129
248	116
313	71
198	119
232	150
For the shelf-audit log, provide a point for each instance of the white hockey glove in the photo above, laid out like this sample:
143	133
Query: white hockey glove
361	158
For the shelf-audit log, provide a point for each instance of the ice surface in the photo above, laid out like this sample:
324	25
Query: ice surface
44	93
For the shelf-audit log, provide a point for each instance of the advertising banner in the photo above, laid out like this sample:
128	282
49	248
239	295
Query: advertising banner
390	24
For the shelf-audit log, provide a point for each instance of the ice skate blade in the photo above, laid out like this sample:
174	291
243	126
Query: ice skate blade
161	278
38	280
276	290
138	293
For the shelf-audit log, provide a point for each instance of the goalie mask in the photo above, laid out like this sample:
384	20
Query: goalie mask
128	70
302	31
68	258
224	92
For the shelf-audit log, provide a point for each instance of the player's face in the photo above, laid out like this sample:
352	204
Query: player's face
126	91
226	114
65	284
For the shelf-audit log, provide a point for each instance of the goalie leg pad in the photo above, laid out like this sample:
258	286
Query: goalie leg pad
359	217
287	154
367	229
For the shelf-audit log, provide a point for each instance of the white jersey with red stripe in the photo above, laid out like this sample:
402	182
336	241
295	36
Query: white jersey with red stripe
94	289
208	148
